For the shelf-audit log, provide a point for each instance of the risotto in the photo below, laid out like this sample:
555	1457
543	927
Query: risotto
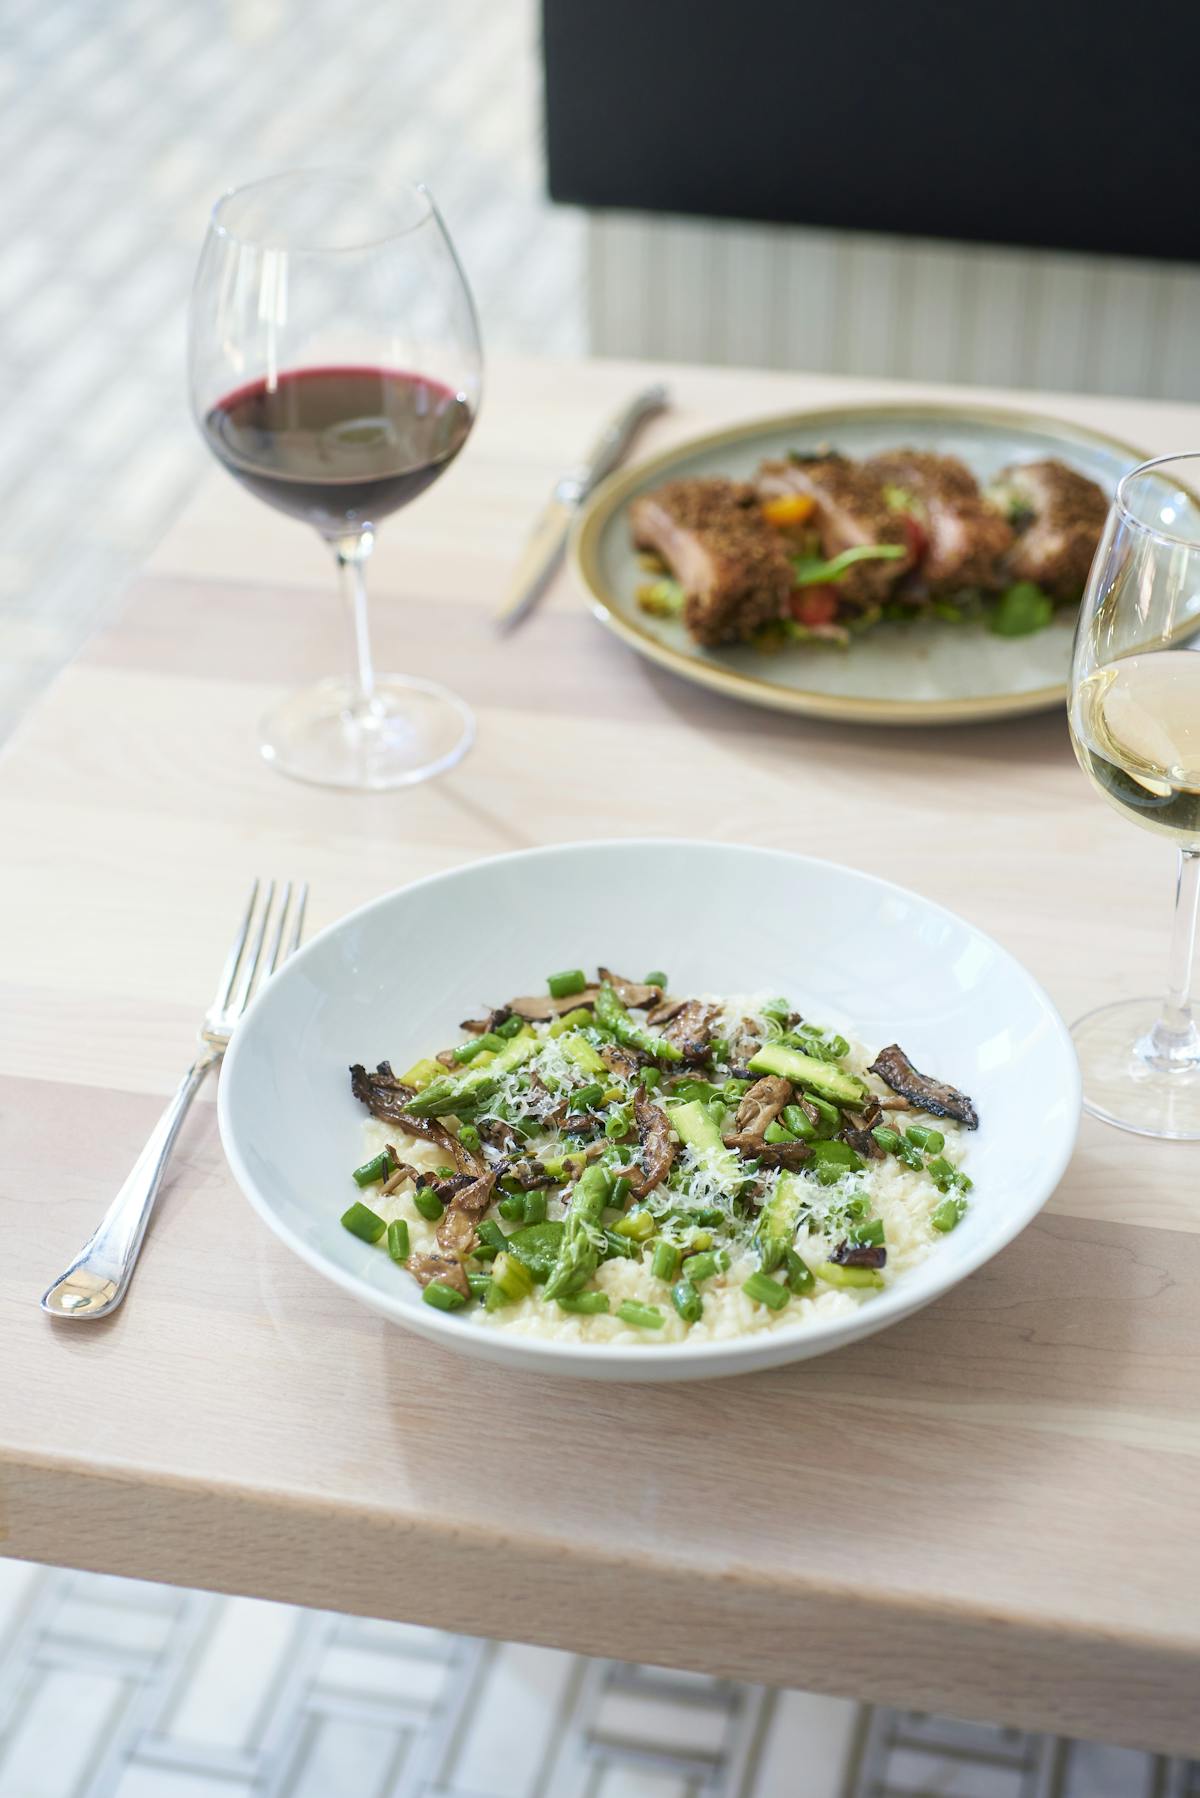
611	1163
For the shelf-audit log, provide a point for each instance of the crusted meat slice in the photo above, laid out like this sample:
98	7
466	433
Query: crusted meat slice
658	1144
729	562
850	510
1058	515
935	1096
967	535
763	1104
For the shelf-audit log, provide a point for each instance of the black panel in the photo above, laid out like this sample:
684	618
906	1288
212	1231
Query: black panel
1071	124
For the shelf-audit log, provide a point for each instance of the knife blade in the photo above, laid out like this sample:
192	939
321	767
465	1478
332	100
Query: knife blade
543	551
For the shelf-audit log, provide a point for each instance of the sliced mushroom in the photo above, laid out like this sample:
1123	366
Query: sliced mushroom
497	1134
539	1008
447	1058
770	1154
491	1021
624	1063
446	1268
636	994
658	1144
860	1254
456	1234
935	1096
857	1133
692	1031
744	1043
763	1104
385	1097
662	1014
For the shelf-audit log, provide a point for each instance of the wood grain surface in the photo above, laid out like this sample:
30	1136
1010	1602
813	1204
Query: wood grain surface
989	1509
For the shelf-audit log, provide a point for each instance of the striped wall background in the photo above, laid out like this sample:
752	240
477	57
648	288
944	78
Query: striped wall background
699	290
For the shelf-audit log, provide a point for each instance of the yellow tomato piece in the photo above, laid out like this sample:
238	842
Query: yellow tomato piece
788	508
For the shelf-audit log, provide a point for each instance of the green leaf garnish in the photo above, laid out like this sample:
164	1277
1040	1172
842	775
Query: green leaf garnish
663	599
1021	610
810	573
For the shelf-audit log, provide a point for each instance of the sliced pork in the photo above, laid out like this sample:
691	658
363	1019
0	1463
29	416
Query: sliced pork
965	534
1058	516
731	565
850	511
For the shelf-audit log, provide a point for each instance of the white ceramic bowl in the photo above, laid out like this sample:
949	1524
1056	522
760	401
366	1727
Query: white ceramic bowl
392	981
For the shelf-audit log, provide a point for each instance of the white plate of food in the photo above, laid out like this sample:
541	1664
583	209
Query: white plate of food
902	564
484	1106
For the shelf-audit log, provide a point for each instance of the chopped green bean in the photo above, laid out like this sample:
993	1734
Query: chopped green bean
949	1213
622	1190
704	1265
428	1204
470	1139
719	1049
868	1235
443	1297
585	1096
511	1027
480	1284
829	1115
799	1274
923	1138
583	1304
512	1207
887	1138
799	1122
776	1132
656	977
490	1040
397	1239
619	1123
491	1238
572	980
619	1246
362	1222
687	1301
649	1078
378	1168
534	1211
834	1274
765	1291
664	1262
642	1317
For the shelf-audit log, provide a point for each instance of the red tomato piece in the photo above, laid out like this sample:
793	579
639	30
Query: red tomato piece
918	539
815	605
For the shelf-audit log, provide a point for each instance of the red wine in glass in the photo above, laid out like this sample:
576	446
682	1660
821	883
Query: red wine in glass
338	447
335	372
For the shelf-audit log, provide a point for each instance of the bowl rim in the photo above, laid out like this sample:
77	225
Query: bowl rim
890	1306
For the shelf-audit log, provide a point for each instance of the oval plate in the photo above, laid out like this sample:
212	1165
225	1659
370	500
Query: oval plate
930	672
393	979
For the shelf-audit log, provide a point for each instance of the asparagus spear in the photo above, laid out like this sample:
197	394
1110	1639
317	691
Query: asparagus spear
611	1015
777	1222
441	1096
579	1256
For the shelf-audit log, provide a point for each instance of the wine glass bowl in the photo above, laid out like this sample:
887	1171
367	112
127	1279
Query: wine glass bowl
1135	727
335	373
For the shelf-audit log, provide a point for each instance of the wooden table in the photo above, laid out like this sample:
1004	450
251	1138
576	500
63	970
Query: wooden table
990	1509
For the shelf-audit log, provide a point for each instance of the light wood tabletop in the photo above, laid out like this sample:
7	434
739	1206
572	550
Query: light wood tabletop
989	1509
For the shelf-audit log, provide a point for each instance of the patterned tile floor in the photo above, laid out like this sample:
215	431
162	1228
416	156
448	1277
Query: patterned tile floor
112	1688
119	125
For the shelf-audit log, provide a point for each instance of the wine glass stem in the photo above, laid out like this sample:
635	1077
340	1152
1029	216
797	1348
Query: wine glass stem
1174	1041
352	554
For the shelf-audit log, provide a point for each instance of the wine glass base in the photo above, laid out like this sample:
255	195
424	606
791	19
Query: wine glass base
408	731
1121	1087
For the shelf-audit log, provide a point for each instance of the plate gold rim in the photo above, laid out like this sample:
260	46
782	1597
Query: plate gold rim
583	549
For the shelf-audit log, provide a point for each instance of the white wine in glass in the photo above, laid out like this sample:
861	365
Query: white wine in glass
1135	725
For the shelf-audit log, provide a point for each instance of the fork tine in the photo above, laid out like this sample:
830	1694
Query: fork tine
229	971
277	935
298	920
250	965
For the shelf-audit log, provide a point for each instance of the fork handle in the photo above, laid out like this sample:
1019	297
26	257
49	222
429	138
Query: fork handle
97	1279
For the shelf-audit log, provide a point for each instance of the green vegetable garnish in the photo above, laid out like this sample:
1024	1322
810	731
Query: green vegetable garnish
642	1317
443	1297
362	1222
397	1239
811	573
1021	610
949	1213
765	1291
371	1171
562	985
585	1304
662	599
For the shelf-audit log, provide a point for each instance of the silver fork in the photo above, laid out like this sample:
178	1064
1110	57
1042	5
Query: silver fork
98	1278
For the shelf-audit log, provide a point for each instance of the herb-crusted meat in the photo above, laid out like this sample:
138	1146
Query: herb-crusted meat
966	535
729	562
850	511
1058	516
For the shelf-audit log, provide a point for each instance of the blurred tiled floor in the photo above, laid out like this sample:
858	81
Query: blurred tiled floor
115	1689
119	124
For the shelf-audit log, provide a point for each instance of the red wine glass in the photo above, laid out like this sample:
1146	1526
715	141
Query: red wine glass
335	371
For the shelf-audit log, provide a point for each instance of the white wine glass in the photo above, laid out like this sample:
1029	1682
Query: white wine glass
335	371
1135	725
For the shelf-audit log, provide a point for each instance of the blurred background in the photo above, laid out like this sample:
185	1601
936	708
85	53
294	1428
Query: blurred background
788	231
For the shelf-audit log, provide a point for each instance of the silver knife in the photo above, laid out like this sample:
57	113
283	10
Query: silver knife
544	549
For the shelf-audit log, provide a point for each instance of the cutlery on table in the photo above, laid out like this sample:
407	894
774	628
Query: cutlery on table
544	549
98	1278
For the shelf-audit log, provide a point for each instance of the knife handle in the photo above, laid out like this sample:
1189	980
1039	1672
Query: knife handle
612	445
